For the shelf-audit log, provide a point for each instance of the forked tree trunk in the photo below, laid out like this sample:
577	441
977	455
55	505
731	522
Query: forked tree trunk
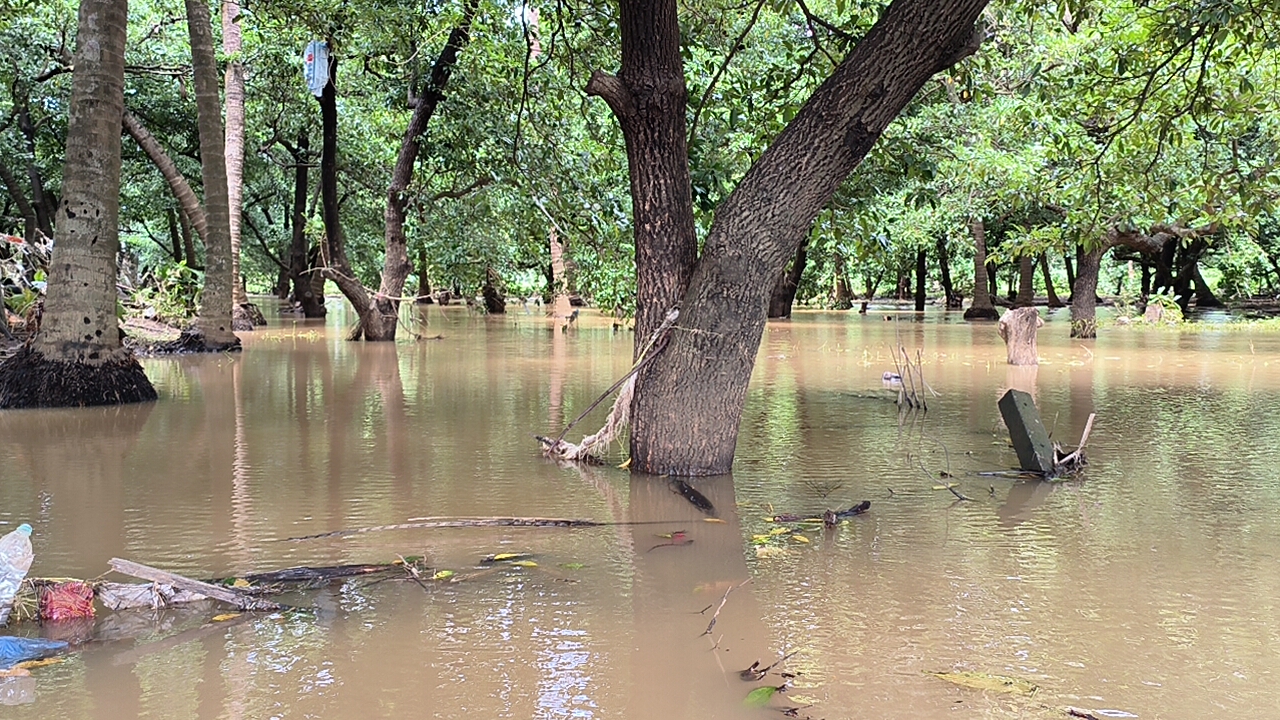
232	44
1026	282
981	308
214	322
77	359
922	272
1084	296
1054	301
689	400
304	290
784	290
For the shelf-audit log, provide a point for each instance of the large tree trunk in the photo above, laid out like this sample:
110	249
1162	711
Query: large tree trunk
304	290
380	320
922	273
981	308
689	400
233	81
649	96
177	183
214	322
77	358
784	290
1084	296
1054	301
1026	296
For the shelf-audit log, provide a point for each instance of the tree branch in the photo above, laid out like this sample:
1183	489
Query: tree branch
610	89
462	192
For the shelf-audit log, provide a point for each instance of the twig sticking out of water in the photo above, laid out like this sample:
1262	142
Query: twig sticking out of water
711	625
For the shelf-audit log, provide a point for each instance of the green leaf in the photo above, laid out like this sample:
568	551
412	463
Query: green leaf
761	695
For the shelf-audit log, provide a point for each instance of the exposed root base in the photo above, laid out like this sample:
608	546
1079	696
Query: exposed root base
981	313
30	380
247	317
192	340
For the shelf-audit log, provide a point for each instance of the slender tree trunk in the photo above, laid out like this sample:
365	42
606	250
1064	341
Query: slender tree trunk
1084	296
952	299
922	273
30	223
304	291
1071	274
188	241
1026	282
870	283
424	278
689	400
784	290
381	319
843	294
77	358
232	43
175	235
174	178
981	308
214	322
1054	301
42	202
649	98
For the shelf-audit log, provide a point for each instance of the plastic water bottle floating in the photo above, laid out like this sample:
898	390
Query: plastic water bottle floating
15	561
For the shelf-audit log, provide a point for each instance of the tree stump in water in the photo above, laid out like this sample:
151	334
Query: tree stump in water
1018	330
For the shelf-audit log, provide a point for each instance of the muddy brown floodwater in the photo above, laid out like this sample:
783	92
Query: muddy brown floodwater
1147	588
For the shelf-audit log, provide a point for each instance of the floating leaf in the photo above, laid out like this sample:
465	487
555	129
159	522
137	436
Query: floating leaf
671	535
240	583
713	520
780	531
761	695
985	681
525	563
442	575
948	486
504	557
800	539
225	617
626	464
572	566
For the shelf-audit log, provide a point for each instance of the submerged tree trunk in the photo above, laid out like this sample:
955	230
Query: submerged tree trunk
842	293
304	290
77	359
379	320
922	272
234	148
689	399
1026	282
1084	296
784	290
952	300
1054	301
981	308
214	321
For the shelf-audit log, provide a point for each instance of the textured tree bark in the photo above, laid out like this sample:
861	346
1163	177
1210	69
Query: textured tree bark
1054	301
173	177
922	273
304	291
689	400
1026	282
843	294
77	359
214	321
981	308
784	290
1084	296
232	44
1018	330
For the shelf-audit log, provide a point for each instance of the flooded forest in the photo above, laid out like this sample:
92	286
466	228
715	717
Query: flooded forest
644	359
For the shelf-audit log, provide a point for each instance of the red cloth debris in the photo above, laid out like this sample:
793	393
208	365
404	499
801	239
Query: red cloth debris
66	601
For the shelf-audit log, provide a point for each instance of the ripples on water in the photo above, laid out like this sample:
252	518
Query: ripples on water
1147	587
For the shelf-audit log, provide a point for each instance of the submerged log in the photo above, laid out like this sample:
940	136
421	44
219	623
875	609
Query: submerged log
225	594
1018	330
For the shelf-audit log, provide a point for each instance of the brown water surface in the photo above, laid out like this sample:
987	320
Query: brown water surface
1148	587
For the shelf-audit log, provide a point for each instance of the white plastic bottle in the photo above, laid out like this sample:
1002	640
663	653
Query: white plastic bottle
15	561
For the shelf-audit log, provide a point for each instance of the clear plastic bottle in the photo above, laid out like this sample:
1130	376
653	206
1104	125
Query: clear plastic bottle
15	561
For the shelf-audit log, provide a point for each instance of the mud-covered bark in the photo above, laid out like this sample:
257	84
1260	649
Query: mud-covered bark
380	320
1084	296
784	290
214	320
173	177
77	359
689	400
981	308
648	97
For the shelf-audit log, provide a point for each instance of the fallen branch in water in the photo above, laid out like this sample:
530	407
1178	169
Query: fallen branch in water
437	523
711	625
225	594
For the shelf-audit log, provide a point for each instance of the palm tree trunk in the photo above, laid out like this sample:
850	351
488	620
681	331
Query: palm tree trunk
77	358
234	82
981	308
214	321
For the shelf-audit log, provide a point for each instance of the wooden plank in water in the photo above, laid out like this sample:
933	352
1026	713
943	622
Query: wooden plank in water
1030	439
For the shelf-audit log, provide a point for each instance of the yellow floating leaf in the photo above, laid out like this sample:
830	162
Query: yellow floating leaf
800	539
225	617
761	538
507	556
780	531
948	486
442	575
240	583
626	464
28	664
985	681
525	563
713	520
